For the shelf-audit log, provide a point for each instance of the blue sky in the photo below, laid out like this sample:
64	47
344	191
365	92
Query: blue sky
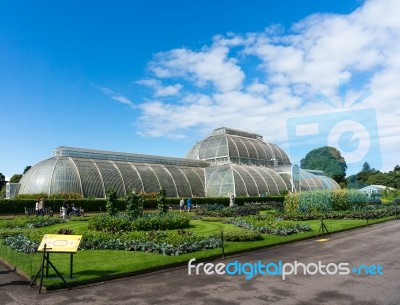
154	77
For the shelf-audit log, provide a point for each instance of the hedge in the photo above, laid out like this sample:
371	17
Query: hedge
324	200
16	206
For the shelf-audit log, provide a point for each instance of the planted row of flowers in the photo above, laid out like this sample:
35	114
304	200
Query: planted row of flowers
266	226
29	222
357	214
148	222
168	242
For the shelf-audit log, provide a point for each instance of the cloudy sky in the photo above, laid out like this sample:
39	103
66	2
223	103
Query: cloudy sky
155	78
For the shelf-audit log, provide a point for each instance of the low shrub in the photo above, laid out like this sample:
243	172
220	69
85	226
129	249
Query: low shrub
21	243
235	211
123	222
267	226
324	201
370	212
242	236
65	231
168	242
162	242
29	222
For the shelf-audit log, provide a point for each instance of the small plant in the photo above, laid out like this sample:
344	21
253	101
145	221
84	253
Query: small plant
64	231
242	236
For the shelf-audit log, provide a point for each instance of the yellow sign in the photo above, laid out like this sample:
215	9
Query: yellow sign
60	243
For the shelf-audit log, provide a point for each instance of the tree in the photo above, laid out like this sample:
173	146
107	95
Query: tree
26	169
111	205
366	167
134	204
15	178
162	202
327	159
2	180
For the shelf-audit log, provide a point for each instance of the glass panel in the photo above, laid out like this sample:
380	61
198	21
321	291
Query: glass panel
92	185
65	177
111	177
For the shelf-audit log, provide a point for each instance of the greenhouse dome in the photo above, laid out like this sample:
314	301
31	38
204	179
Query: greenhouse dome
226	145
227	162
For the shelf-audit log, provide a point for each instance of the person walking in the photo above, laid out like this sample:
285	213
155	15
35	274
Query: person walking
189	203
40	207
181	205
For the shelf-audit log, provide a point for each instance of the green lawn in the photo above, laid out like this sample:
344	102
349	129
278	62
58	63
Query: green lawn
100	264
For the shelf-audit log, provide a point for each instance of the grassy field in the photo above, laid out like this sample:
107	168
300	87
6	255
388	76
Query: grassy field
95	265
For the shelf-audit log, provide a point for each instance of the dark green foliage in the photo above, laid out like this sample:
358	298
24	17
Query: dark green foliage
30	222
368	176
111	198
162	202
124	223
327	159
168	243
2	180
134	205
324	201
267	224
15	178
235	211
15	206
242	236
65	231
370	212
21	243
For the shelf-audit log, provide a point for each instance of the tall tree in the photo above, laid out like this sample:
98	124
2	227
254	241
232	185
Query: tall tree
26	169
327	159
15	178
366	167
2	180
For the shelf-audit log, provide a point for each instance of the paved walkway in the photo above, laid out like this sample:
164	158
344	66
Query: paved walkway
374	245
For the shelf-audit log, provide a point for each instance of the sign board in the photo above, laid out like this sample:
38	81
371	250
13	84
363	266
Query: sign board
60	243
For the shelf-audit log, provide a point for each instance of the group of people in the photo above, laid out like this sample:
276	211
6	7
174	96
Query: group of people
188	204
68	209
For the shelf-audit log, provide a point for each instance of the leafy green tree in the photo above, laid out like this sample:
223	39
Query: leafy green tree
327	159
111	199
26	169
2	180
134	204
15	178
162	202
366	167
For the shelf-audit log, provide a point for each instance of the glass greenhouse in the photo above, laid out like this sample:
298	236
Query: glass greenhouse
227	162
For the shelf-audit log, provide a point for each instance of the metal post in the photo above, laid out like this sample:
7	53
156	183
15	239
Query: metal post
70	266
47	264
42	268
223	247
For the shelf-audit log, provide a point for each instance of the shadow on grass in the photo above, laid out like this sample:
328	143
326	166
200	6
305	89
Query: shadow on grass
96	273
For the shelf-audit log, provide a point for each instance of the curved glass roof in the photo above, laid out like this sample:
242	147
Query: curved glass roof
92	177
228	161
227	145
243	180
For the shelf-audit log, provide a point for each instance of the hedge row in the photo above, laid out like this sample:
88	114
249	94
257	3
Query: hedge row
324	200
15	206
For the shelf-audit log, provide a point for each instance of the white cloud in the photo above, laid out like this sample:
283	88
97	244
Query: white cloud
117	96
210	65
217	87
159	89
